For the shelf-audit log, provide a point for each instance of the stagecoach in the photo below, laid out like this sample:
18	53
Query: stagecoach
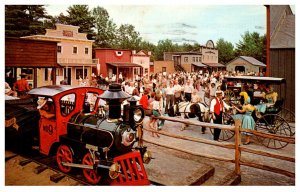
275	119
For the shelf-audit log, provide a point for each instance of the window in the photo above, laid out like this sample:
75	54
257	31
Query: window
86	50
79	73
146	70
186	59
67	104
164	69
196	59
59	49
193	59
46	74
74	50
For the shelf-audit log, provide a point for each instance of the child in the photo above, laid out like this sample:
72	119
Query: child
156	111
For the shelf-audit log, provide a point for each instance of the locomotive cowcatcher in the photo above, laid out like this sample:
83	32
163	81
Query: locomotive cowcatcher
84	136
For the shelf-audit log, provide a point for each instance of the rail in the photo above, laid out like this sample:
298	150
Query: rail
236	145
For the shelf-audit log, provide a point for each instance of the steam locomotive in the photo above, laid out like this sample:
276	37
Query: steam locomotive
84	136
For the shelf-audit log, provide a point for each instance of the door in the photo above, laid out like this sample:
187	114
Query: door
68	74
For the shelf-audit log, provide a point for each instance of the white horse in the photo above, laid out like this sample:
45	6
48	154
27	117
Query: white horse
190	110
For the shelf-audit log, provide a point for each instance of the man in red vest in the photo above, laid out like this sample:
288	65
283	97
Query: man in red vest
217	107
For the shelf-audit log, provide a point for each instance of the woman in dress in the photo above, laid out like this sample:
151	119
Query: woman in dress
246	118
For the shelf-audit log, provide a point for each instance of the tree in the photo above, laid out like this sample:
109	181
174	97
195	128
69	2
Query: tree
127	37
226	51
105	28
24	20
253	45
164	46
79	15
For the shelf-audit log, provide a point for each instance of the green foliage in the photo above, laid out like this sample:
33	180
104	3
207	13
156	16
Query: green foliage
79	15
105	28
24	20
226	51
252	45
127	37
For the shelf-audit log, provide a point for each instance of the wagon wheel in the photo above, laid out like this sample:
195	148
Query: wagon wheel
229	96
91	175
289	116
225	135
64	154
273	124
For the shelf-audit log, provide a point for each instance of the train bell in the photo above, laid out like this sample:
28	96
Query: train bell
114	97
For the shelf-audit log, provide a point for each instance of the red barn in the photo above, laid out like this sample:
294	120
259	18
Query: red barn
116	61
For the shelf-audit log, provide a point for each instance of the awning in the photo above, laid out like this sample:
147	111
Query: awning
199	64
214	64
124	65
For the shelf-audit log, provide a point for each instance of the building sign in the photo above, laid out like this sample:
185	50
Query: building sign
67	33
210	44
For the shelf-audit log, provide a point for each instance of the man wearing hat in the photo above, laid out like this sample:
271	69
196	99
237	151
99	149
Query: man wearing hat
21	85
217	107
46	111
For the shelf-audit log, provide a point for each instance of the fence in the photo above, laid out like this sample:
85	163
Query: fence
236	145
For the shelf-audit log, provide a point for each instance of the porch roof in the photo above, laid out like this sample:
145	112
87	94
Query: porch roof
124	64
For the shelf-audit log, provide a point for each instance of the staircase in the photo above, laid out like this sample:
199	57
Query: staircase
179	68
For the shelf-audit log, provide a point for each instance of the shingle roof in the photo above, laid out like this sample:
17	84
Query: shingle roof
253	61
284	35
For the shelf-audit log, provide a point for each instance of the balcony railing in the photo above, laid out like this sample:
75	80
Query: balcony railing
79	61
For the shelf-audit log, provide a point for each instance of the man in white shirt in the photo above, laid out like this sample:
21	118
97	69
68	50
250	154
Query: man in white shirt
217	107
169	96
188	89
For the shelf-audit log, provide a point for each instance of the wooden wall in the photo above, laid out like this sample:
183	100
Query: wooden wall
282	64
30	53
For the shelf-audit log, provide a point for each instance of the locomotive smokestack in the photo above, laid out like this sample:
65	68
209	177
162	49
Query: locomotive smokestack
114	97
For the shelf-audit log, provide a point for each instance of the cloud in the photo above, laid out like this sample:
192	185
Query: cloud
183	25
183	40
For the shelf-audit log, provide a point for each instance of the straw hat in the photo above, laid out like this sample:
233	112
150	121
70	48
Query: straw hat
41	102
219	93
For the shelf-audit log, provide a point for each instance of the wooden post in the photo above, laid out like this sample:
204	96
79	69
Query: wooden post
237	147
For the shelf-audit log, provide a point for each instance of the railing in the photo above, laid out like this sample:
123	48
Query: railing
236	145
79	61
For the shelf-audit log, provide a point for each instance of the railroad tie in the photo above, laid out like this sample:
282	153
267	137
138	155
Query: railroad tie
25	162
40	169
56	177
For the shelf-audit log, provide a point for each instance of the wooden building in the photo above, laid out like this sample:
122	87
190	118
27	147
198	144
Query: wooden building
281	28
245	64
36	58
74	53
116	61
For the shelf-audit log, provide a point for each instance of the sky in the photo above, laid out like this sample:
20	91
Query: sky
184	23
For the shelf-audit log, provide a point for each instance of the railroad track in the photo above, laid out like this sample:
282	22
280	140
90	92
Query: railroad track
44	163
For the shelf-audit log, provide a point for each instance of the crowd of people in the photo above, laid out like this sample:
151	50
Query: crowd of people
159	93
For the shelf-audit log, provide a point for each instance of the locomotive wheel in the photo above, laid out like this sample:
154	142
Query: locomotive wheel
225	135
91	175
273	124
289	117
64	154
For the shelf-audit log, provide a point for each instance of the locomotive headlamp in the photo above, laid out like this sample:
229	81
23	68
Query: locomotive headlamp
147	157
114	171
136	114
